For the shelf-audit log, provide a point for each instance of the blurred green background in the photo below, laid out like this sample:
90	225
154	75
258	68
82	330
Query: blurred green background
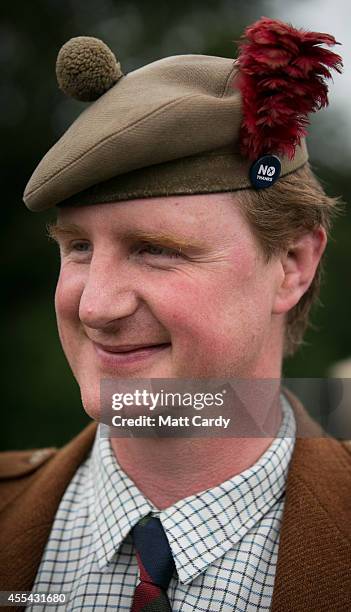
40	399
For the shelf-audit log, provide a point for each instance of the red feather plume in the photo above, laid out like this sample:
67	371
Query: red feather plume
282	74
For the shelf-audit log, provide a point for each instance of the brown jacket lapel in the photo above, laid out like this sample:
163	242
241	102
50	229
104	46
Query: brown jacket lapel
314	558
32	501
314	561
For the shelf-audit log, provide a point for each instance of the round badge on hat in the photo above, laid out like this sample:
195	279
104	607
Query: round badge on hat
265	171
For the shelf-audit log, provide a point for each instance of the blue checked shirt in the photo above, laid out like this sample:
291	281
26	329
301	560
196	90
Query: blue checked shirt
224	540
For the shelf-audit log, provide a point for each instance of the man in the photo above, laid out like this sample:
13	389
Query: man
191	231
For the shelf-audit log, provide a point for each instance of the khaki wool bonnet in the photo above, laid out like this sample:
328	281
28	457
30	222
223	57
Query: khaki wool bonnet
175	126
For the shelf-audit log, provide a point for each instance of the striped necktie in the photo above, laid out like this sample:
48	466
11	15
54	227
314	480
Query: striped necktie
156	566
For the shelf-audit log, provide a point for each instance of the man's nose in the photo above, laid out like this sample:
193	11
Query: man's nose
108	294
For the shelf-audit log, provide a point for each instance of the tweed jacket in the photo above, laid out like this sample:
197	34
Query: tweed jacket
313	571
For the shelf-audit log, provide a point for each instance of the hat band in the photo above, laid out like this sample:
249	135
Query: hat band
216	171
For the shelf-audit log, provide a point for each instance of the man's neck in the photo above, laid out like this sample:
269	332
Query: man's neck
167	470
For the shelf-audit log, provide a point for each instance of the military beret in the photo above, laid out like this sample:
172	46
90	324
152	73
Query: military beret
184	124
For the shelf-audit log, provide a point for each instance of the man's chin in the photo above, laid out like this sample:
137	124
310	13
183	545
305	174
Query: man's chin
91	405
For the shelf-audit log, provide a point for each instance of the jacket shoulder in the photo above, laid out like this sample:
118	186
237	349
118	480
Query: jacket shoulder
347	445
14	464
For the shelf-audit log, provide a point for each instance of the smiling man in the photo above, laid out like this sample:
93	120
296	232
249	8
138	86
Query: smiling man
191	231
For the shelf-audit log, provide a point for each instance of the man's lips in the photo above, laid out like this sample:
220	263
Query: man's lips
111	356
128	347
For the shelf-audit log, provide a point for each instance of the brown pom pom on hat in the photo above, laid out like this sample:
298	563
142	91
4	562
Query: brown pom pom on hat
86	68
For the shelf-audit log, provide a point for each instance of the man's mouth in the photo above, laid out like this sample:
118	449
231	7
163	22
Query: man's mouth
118	355
128	348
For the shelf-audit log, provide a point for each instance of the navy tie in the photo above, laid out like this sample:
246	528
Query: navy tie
156	566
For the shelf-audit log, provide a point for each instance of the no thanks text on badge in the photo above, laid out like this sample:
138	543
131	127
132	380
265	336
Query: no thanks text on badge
169	421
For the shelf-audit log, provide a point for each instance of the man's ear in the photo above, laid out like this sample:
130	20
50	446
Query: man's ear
299	264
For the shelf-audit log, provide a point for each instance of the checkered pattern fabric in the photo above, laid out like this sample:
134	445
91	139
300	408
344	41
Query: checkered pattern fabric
224	540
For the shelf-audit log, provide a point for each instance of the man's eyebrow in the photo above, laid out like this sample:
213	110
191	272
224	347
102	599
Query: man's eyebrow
59	230
163	238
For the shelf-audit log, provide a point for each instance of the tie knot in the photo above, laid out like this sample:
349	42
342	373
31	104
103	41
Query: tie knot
155	559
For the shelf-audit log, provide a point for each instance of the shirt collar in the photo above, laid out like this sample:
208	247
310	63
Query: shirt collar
116	504
200	528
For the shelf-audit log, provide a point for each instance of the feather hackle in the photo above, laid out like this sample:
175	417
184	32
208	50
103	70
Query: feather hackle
282	78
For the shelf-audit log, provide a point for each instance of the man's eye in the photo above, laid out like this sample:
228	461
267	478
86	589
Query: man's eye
80	246
154	249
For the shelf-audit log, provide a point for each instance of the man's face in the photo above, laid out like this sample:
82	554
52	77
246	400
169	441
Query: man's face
183	274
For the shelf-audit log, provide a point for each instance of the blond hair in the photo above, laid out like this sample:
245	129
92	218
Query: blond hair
295	205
